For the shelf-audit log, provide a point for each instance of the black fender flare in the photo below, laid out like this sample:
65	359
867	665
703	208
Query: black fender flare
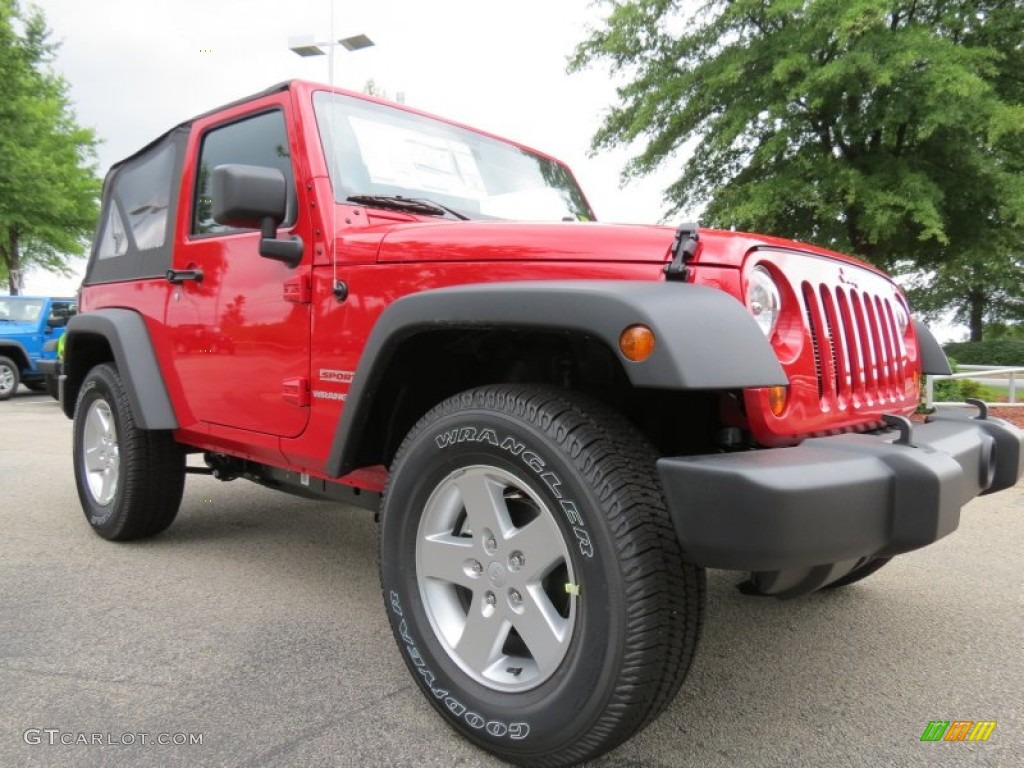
10	344
933	358
705	338
126	334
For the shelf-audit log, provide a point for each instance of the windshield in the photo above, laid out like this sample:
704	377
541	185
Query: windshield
376	150
17	310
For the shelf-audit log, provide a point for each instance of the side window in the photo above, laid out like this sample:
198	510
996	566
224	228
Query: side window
260	140
143	189
60	313
140	202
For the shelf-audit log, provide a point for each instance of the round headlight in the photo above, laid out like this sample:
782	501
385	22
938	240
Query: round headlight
763	299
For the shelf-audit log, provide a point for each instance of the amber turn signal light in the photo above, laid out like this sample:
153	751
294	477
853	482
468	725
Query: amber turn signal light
777	397
637	343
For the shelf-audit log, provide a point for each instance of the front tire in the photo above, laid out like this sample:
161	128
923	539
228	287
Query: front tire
532	575
130	480
10	377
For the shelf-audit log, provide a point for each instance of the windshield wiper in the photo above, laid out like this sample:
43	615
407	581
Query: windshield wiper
408	204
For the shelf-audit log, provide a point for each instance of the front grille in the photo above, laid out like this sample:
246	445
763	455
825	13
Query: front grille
859	355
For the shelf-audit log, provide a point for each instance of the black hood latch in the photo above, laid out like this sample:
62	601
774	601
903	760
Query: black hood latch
684	248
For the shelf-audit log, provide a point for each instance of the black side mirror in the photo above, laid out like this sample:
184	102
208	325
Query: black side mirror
255	197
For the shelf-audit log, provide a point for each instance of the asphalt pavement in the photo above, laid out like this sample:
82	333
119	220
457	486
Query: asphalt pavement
255	624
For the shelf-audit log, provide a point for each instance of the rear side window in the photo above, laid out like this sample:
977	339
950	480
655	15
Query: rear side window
143	190
137	218
145	193
261	140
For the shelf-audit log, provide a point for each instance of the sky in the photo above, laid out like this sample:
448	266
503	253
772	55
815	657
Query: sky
138	67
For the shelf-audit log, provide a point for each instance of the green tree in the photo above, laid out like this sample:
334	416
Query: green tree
892	129
49	188
983	285
1000	331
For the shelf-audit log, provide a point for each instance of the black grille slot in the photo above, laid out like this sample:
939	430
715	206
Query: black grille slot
812	326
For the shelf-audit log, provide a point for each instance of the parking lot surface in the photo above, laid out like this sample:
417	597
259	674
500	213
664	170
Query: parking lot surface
256	623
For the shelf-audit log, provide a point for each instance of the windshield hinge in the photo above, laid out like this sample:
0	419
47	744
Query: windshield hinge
684	248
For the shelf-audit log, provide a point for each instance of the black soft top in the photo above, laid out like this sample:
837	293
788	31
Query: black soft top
186	125
134	236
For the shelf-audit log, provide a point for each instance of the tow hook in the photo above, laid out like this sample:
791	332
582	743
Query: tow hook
904	425
982	407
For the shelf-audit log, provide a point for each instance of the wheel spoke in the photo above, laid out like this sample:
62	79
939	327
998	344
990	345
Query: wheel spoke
484	502
94	420
93	462
541	542
444	557
105	422
479	646
108	483
542	629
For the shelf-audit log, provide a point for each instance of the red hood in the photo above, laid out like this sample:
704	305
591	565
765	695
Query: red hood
426	241
517	241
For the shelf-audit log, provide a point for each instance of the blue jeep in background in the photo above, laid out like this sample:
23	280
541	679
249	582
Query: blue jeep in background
30	327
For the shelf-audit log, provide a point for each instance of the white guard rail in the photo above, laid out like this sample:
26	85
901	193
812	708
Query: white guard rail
983	373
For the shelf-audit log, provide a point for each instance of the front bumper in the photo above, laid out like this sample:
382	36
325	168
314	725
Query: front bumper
837	499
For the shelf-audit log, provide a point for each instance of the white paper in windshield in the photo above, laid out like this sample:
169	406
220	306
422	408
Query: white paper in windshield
405	158
536	204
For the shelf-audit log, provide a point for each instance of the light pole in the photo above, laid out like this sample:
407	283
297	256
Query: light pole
304	45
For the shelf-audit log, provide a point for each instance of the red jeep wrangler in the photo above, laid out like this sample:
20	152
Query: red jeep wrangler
562	422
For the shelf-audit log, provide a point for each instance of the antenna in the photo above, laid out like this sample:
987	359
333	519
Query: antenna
332	235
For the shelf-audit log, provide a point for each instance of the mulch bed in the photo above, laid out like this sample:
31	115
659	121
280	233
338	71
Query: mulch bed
1013	415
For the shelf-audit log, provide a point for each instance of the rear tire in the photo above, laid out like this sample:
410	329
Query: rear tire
130	480
10	377
532	575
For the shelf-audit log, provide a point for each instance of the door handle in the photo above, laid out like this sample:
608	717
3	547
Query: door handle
179	276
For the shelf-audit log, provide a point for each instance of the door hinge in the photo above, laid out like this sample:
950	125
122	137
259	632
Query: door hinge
296	391
298	290
684	248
